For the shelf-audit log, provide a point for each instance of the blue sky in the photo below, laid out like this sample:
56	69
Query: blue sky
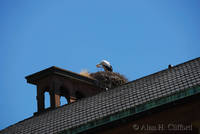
138	37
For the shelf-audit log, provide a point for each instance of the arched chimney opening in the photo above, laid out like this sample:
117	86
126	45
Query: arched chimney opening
46	100
64	96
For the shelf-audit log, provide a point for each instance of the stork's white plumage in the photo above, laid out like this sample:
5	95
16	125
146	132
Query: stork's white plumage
105	65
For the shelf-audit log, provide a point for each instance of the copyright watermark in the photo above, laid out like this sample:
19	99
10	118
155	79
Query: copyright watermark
162	127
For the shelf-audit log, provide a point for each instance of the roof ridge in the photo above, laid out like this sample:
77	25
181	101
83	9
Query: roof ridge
162	71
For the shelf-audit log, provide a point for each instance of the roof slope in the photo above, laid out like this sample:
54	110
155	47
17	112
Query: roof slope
132	94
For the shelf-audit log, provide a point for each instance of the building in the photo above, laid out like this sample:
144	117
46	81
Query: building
164	102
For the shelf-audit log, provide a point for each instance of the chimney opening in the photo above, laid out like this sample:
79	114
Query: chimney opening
63	101
47	100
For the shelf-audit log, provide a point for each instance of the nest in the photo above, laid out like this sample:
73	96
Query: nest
109	79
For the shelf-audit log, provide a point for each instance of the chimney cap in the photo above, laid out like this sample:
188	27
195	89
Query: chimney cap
34	78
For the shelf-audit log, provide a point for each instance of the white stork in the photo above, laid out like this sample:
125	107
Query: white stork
105	65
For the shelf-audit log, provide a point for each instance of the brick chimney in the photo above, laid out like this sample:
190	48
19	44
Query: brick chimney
59	82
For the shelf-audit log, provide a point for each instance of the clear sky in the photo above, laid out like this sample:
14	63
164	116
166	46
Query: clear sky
138	37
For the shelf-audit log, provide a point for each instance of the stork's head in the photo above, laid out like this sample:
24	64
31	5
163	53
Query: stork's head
105	65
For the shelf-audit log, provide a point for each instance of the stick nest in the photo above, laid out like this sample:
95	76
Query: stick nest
109	79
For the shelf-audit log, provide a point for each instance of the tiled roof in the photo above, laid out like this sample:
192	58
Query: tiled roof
158	85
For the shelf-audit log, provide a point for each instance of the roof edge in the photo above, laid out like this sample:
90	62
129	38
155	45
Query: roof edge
161	71
135	110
